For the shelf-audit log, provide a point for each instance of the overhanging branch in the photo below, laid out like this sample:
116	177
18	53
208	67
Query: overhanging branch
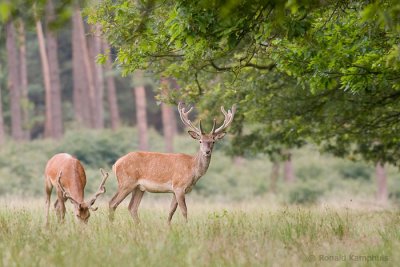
247	65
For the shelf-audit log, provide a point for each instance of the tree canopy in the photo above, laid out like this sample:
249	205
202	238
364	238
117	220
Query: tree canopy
301	71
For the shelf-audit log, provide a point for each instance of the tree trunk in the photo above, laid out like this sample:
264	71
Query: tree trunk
98	77
174	122
168	119
274	176
80	92
23	71
382	193
2	133
83	52
111	91
288	170
48	128
141	115
13	83
55	85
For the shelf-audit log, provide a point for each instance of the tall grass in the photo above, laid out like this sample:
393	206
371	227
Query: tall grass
216	235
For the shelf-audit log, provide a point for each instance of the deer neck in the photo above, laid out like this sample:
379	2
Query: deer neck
201	165
77	192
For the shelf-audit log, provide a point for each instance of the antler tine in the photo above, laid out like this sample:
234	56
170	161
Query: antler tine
101	190
185	119
228	118
65	193
201	128
214	124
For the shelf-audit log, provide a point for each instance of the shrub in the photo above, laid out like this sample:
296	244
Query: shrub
305	192
355	170
309	172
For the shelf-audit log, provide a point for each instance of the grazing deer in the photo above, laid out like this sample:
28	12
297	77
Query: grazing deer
154	172
67	174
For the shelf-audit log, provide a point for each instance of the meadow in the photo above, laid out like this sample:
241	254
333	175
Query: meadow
241	234
328	217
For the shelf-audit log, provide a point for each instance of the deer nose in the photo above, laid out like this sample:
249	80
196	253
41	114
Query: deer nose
208	152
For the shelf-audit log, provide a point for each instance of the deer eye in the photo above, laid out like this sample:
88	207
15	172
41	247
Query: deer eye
201	142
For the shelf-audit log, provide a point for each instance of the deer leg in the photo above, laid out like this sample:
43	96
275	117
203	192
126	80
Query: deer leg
60	209
60	206
116	200
134	204
131	201
172	209
180	197
48	189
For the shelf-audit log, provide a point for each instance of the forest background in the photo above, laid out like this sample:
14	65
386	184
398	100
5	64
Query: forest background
316	84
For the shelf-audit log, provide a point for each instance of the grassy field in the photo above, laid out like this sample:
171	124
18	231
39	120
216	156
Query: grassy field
241	234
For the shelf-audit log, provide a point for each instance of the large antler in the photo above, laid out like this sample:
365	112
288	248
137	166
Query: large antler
101	190
185	119
65	193
227	121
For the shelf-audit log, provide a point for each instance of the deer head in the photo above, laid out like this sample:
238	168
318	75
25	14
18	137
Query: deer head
206	140
82	208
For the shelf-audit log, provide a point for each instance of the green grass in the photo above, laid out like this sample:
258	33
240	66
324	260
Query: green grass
240	234
233	220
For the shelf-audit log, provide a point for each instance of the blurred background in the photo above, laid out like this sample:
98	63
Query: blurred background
65	87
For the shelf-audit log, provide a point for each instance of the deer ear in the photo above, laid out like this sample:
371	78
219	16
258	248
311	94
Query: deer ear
219	136
194	135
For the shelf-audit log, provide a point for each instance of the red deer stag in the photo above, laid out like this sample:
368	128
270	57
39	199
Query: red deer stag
67	174
154	172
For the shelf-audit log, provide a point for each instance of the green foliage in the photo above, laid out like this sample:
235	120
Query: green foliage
301	71
29	10
311	172
96	149
305	192
356	171
5	10
319	177
22	166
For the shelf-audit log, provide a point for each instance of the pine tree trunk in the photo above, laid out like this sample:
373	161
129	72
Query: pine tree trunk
98	77
80	92
288	170
23	71
174	122
381	180
13	83
48	127
111	90
2	132
274	176
54	69
83	52
168	119
141	113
